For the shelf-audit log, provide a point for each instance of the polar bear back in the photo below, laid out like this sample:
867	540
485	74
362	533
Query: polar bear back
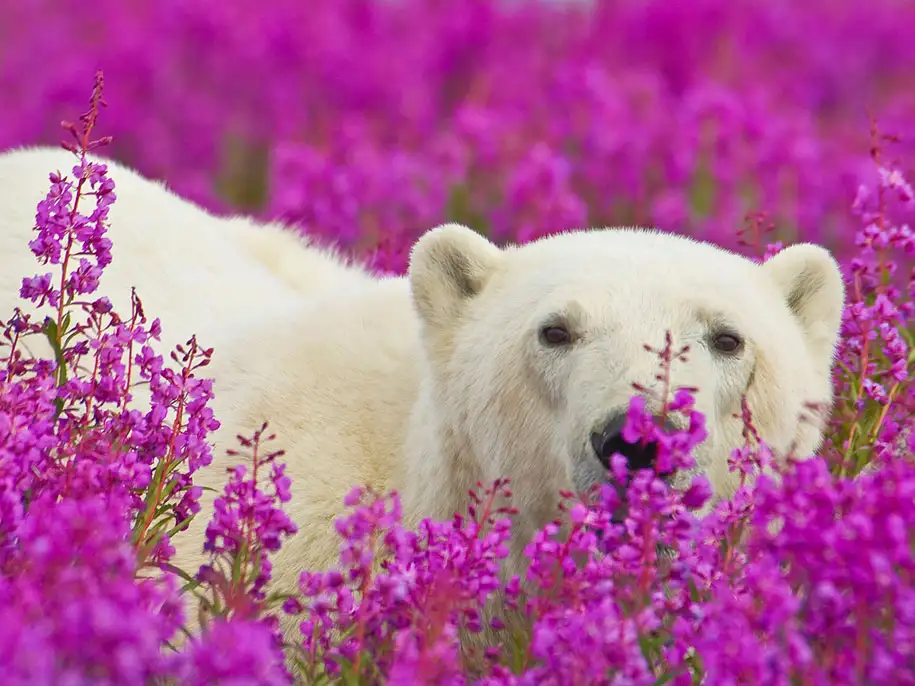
193	269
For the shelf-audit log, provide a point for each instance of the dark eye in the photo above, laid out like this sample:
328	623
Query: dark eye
555	335
728	343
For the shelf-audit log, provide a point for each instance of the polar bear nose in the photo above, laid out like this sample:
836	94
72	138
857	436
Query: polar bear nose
609	440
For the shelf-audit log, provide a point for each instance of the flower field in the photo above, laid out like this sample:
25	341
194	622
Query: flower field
752	124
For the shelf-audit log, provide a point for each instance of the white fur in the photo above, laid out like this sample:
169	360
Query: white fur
192	268
431	382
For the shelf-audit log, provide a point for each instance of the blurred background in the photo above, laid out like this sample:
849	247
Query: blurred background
369	121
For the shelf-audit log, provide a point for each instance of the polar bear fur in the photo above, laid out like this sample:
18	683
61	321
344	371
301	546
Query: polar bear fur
164	247
434	381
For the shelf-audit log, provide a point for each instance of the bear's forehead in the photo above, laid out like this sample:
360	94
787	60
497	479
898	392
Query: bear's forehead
633	261
633	246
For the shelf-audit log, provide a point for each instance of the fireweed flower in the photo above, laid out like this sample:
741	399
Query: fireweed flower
247	524
834	607
71	587
400	597
233	651
688	119
91	486
102	442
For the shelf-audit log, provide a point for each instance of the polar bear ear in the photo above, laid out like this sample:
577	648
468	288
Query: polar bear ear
811	283
449	265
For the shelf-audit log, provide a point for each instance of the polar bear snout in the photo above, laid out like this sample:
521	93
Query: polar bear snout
608	439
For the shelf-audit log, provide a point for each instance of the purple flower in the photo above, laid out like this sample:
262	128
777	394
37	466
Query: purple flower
73	609
248	524
236	651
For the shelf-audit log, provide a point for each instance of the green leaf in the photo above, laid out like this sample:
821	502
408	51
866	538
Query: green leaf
178	528
666	678
191	581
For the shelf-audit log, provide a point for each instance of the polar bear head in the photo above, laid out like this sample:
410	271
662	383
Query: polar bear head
532	351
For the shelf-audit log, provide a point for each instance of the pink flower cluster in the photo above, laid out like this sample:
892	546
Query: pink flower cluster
367	121
92	490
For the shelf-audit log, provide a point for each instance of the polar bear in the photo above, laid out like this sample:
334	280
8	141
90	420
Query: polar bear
518	361
481	362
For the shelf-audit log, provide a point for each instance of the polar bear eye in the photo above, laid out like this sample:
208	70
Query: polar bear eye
728	343
555	335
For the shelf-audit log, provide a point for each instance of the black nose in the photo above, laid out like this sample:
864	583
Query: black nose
609	440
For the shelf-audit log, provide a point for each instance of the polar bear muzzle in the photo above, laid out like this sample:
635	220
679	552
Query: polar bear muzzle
608	439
